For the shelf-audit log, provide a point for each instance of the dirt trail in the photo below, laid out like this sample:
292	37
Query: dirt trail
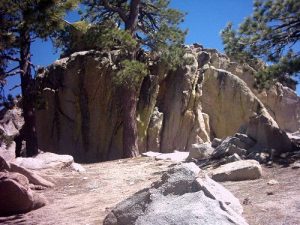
86	198
266	204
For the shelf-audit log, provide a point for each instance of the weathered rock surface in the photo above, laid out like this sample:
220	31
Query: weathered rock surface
8	150
237	171
85	116
45	160
228	101
200	151
263	129
16	196
179	198
11	121
211	98
282	102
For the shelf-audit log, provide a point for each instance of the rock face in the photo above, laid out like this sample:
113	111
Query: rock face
210	98
82	111
282	102
179	198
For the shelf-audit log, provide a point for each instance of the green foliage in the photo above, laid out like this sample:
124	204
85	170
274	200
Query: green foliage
271	34
37	18
133	25
130	74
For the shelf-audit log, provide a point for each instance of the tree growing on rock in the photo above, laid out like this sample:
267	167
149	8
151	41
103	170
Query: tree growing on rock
22	22
272	34
132	26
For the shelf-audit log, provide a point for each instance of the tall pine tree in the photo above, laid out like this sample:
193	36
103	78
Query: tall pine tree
22	22
132	25
272	34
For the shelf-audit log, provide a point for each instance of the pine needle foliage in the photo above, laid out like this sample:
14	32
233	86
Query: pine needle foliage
271	34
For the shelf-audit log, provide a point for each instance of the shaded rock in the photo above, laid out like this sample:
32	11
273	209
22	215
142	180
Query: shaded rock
232	158
45	160
260	156
216	142
233	149
4	165
179	198
265	131
229	146
16	196
237	171
200	151
244	141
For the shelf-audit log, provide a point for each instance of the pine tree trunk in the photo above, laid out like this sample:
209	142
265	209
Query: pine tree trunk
129	101
30	135
129	95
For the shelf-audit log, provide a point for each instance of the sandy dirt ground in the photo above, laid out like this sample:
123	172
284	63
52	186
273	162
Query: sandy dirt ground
86	198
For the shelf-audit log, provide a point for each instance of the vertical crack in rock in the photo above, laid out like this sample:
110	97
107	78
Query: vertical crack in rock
84	108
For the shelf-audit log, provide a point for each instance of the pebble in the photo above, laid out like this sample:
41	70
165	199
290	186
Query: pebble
272	182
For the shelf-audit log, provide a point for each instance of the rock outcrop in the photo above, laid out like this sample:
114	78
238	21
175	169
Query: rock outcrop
282	102
179	198
210	98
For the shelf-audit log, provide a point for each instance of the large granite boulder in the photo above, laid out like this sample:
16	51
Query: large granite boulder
281	101
179	198
16	196
228	101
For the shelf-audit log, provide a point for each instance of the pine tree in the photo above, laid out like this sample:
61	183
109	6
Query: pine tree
22	22
272	34
132	26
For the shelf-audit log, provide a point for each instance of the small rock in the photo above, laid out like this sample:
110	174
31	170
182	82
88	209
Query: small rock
216	142
200	151
246	201
295	165
272	182
270	193
233	158
77	167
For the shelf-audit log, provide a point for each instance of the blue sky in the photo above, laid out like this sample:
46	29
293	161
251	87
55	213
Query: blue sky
205	20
